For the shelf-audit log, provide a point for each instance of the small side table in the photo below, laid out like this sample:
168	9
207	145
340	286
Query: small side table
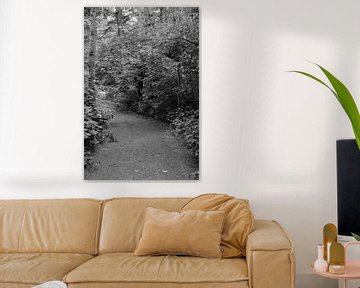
352	269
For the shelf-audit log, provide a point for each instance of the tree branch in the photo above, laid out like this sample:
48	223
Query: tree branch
189	41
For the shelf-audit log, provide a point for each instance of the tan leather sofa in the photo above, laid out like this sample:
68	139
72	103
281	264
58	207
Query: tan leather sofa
89	243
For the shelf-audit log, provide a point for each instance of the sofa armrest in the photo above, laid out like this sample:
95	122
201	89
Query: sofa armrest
269	256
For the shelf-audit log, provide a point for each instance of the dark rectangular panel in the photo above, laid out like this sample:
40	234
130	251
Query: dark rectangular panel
348	187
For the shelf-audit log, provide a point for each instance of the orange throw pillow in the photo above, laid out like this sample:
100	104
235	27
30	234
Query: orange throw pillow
196	233
239	220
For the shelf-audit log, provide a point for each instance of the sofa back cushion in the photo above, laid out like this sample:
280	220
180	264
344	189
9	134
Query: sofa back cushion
123	220
238	224
66	226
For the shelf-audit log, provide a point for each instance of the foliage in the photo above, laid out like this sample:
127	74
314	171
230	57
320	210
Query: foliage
344	97
95	127
356	236
95	121
186	124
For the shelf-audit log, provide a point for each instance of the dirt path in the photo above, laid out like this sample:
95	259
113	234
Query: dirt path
145	150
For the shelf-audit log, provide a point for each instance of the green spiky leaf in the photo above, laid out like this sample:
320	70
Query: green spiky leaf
356	236
344	97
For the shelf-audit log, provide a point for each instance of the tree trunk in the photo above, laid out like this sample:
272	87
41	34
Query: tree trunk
119	19
162	14
140	83
92	52
179	82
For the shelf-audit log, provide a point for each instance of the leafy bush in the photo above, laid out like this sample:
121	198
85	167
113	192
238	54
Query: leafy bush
95	127
186	124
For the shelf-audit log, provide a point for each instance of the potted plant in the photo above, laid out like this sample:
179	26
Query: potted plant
346	100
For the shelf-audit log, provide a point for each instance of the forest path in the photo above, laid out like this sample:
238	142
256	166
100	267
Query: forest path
145	150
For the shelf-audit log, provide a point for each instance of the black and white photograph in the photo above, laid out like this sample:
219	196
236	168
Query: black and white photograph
141	93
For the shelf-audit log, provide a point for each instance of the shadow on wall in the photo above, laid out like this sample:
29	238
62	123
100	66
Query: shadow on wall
300	122
37	183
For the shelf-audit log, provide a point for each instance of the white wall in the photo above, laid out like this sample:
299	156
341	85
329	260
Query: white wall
266	135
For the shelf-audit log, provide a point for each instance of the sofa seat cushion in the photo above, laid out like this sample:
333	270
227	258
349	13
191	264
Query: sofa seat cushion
36	268
125	267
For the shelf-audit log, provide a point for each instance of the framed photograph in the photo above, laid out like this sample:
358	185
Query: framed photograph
141	93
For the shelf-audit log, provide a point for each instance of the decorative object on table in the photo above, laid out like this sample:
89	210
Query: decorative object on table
141	93
329	237
344	273
333	250
337	258
320	264
336	269
51	284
